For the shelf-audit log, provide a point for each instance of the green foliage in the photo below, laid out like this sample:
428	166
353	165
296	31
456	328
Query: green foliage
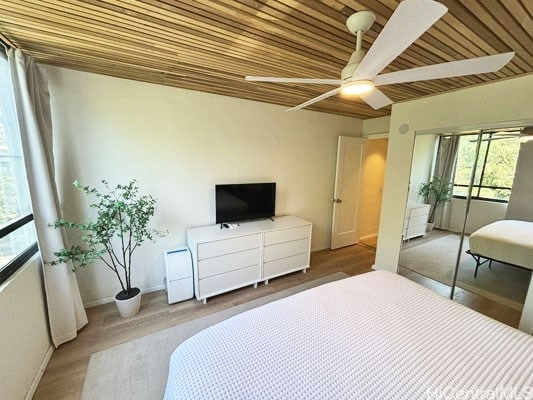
120	227
495	167
435	193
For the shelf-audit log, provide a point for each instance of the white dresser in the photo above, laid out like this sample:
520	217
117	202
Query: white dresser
416	218
256	251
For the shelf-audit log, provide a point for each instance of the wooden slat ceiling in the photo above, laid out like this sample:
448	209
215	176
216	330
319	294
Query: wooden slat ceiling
210	45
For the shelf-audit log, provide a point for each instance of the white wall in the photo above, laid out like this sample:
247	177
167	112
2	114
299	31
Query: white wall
372	190
481	213
424	153
376	126
521	200
25	345
178	144
500	103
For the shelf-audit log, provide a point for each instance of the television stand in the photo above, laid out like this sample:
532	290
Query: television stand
228	259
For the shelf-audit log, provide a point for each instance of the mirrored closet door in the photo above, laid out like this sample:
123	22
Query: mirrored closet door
472	192
432	227
495	263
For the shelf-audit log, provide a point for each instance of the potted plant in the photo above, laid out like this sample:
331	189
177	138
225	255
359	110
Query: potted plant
435	193
120	227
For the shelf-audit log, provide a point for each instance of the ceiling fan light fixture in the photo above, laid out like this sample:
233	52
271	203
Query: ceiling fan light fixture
356	87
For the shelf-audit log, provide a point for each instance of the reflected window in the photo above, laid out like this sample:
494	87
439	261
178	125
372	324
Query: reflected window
495	167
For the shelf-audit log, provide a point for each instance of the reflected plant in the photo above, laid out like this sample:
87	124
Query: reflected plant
435	193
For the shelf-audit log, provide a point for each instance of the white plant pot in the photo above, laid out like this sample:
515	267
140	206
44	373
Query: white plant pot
129	307
430	226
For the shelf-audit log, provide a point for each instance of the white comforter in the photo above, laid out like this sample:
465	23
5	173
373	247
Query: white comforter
372	336
508	240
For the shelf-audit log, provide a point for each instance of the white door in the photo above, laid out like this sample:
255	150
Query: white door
348	175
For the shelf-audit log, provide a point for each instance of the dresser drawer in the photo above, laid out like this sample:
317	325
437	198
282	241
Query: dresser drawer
229	262
419	220
423	210
285	235
414	231
286	249
229	281
227	246
284	265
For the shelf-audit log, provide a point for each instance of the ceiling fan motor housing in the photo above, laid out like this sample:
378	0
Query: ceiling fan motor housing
360	21
357	23
355	59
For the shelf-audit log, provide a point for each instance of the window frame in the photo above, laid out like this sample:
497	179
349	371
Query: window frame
7	270
479	187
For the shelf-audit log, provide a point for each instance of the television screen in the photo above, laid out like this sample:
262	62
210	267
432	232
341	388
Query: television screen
244	201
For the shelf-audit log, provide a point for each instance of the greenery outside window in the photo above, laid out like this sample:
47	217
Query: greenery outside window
495	169
17	231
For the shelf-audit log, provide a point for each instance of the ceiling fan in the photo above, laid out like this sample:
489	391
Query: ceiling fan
360	76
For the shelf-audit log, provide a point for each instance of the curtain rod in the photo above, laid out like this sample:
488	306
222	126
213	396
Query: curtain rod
5	42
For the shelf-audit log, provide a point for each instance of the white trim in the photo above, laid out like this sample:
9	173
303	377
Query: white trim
372	236
7	282
314	249
37	378
372	136
475	127
111	299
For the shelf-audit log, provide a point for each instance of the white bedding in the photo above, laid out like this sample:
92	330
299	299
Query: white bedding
372	336
508	240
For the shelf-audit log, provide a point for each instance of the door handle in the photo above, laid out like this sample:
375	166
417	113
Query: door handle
336	201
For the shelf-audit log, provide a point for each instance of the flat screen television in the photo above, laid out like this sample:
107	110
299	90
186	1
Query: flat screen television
238	202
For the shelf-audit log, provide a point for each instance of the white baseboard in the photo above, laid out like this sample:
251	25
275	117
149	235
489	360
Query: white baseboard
368	237
319	248
39	374
111	299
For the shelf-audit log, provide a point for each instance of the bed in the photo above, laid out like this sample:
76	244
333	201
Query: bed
372	336
507	241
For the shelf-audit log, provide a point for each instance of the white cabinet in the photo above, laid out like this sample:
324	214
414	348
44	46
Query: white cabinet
416	218
256	251
179	274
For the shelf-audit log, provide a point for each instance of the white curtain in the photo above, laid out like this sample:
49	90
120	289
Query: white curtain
65	308
445	169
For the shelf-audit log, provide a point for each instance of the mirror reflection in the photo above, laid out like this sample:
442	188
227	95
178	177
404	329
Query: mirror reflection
471	188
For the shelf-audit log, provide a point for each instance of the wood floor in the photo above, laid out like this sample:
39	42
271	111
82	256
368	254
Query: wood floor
64	376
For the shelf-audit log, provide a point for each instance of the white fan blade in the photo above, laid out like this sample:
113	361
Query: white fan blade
376	98
479	65
293	80
316	99
410	20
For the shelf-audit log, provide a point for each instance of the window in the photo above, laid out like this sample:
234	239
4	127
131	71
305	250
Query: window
495	169
17	232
